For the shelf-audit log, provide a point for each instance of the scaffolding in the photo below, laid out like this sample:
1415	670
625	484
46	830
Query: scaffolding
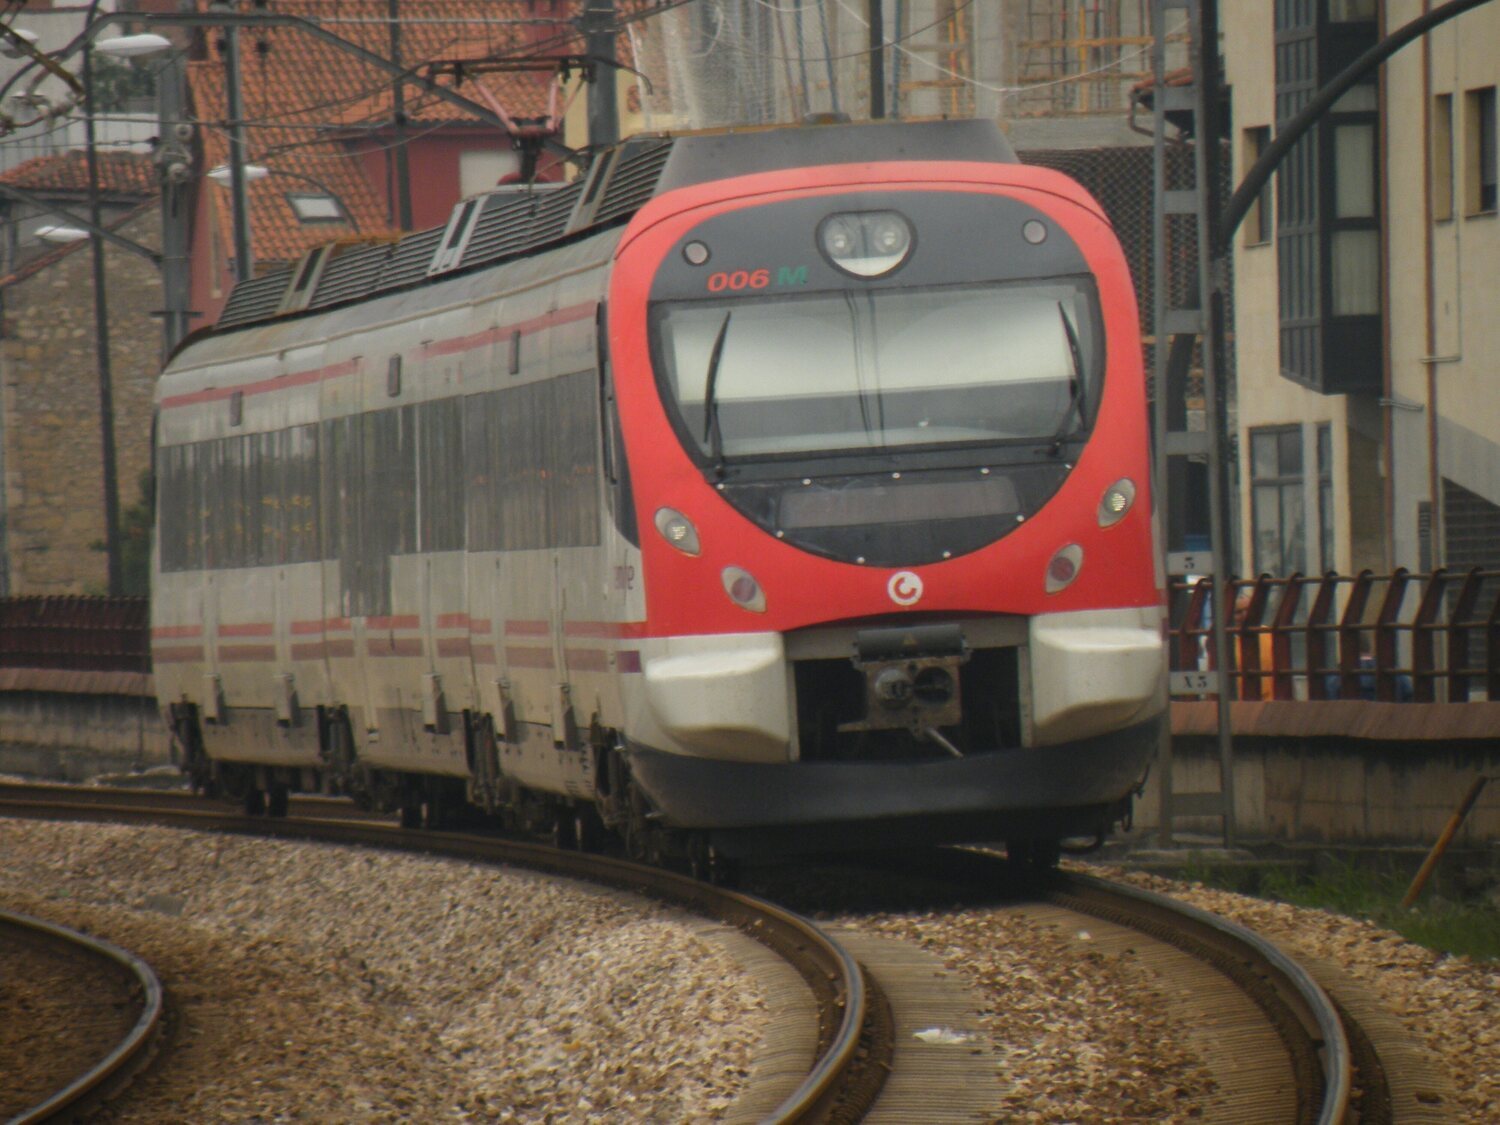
934	69
1078	56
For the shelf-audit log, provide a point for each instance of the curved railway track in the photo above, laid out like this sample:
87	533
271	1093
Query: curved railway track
1302	1059
1331	1063
84	1016
853	1039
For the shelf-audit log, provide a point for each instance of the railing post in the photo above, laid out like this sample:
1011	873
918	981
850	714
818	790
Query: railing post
1459	668
1387	623
1319	629
1351	626
1424	674
1281	638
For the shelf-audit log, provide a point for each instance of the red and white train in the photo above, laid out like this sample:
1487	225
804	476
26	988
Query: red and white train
778	490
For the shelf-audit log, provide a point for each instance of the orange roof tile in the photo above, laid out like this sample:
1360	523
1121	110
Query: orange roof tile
300	93
120	173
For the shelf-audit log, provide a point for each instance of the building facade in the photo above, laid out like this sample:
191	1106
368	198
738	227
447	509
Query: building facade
1368	422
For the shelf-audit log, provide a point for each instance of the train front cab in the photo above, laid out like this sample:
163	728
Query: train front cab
887	433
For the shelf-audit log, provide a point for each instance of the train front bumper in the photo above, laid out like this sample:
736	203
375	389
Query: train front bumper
1046	791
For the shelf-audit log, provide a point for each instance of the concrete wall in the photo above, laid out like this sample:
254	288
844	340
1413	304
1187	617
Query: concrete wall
1338	791
73	737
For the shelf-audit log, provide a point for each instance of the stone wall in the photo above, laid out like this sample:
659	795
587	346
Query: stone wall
53	500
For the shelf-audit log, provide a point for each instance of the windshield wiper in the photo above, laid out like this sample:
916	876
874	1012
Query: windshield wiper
711	431
1075	383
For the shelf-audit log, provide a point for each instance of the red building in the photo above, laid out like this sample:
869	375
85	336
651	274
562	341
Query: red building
324	123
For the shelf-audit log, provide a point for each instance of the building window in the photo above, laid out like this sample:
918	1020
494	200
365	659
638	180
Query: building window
1328	202
1479	152
1258	221
1442	157
1278	518
1326	556
315	207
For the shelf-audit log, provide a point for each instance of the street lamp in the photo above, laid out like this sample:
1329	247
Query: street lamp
63	234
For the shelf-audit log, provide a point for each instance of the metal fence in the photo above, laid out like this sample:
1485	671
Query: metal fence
1393	638
76	634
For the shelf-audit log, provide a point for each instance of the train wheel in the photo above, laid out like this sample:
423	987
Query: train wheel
278	797
564	831
411	812
255	802
708	865
1032	855
588	830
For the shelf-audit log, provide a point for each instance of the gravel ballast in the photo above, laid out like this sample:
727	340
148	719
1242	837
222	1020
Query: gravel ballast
330	984
320	983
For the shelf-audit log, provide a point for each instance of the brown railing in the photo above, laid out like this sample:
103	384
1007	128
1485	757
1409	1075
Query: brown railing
76	634
1397	637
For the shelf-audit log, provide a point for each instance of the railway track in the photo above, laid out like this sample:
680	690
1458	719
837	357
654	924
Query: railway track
853	1033
83	1016
1287	1051
1296	1044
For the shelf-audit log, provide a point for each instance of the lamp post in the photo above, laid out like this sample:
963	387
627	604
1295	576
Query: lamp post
113	568
127	45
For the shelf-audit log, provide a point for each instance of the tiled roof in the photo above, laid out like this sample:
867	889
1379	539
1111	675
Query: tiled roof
120	173
300	92
299	162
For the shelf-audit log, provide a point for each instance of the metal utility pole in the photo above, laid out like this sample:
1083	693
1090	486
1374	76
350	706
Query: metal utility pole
598	27
234	94
101	345
174	166
398	115
1202	319
877	59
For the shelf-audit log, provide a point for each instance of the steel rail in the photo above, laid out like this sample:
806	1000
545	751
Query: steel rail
1333	1045
833	976
129	1049
1271	978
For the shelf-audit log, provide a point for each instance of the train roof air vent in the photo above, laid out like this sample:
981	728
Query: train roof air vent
456	235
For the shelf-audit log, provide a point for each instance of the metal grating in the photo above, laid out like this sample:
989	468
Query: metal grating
553	209
352	274
634	181
505	227
513	222
256	298
409	262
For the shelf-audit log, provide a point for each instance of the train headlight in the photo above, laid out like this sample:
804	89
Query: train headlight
866	243
677	530
743	589
1116	501
1064	567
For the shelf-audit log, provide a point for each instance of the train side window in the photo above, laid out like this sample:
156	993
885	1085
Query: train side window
514	364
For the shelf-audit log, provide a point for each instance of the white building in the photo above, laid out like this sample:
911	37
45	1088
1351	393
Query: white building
1369	418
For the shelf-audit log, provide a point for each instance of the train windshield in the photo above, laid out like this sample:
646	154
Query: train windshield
761	376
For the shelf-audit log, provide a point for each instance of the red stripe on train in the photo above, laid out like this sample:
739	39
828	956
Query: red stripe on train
262	386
